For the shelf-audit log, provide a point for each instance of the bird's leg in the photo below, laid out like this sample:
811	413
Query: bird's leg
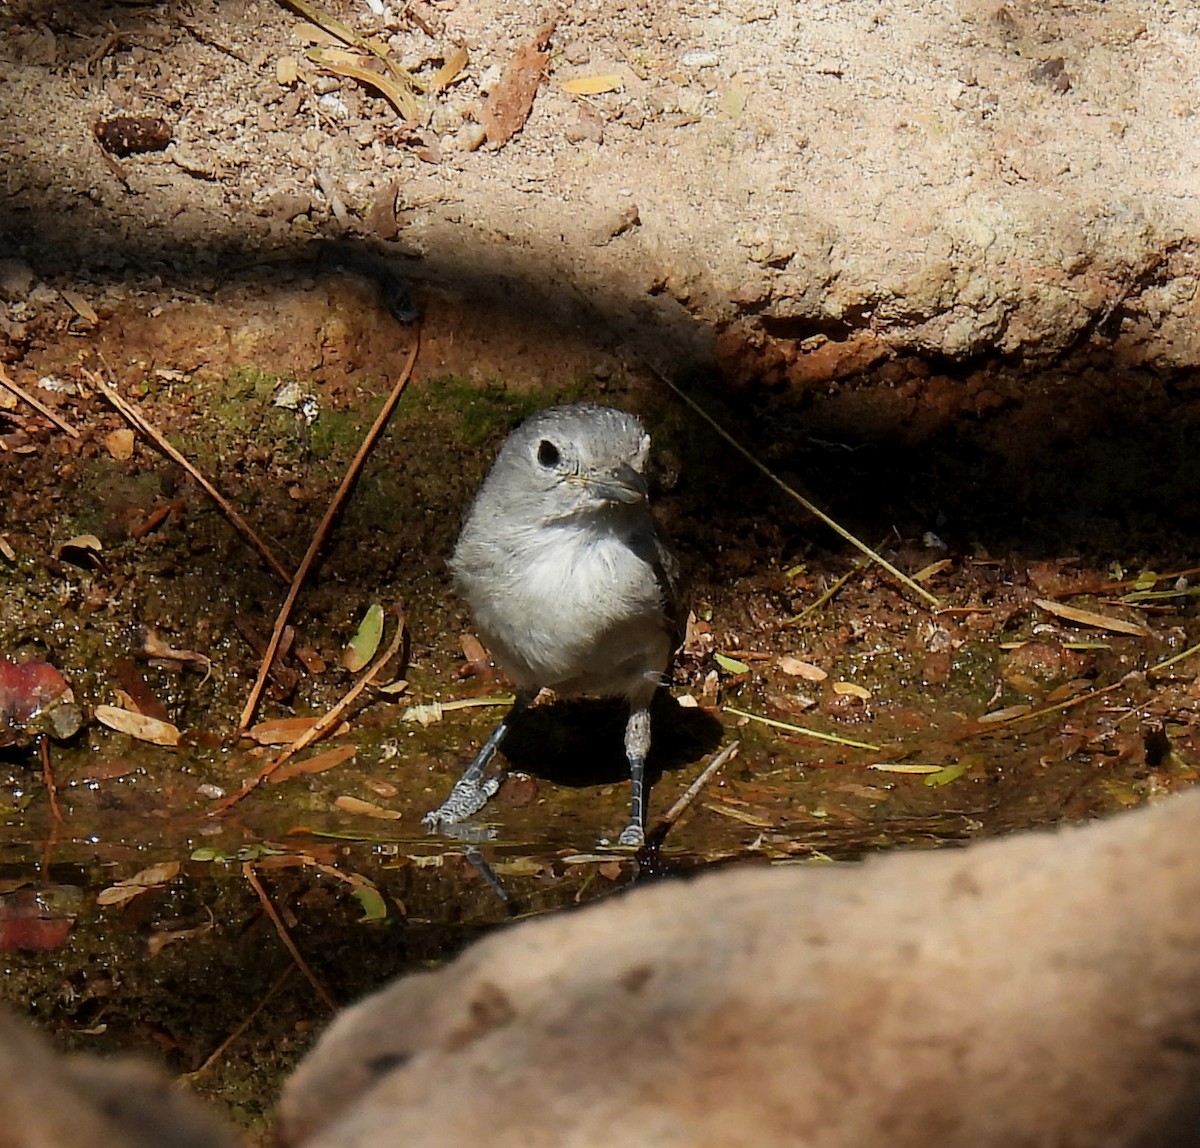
637	746
470	794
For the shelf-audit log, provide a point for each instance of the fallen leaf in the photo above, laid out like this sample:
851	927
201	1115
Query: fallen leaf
149	878
135	693
374	907
37	920
284	861
120	444
80	306
594	85
318	764
742	815
365	808
1069	689
799	669
138	726
158	650
948	773
280	731
476	655
932	569
154	519
505	111
312	661
86	542
399	94
361	648
1006	714
851	690
731	665
454	66
1092	618
521	867
156	942
903	767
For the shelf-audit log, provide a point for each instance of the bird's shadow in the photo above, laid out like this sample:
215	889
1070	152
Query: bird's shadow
580	742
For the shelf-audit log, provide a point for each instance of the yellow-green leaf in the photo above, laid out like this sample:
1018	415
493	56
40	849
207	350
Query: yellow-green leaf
731	665
374	907
361	648
904	767
947	774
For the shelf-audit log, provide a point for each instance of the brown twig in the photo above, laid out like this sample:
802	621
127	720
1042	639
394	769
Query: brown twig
139	423
318	539
693	791
48	778
791	491
38	406
245	1023
284	936
322	726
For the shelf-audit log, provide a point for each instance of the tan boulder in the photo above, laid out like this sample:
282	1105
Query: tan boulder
52	1101
1038	990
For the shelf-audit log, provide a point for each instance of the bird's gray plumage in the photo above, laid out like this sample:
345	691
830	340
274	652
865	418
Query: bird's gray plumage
570	585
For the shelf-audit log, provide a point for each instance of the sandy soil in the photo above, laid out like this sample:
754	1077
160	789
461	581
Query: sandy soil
1010	176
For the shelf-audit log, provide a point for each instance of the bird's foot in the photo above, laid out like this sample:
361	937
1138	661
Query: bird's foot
466	798
633	836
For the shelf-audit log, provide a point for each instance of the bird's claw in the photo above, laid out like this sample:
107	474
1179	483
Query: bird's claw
466	798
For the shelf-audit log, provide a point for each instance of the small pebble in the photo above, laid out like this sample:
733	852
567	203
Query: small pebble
633	116
586	125
470	137
577	52
490	79
446	119
618	222
16	278
333	104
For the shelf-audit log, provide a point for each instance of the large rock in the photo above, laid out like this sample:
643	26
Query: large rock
51	1101
1040	990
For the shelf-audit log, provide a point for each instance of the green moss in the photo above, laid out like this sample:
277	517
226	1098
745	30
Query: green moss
336	434
478	412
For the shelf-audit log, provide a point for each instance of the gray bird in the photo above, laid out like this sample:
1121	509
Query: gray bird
570	585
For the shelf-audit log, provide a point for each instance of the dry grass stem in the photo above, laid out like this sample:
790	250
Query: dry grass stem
37	405
322	726
318	539
693	791
139	423
794	494
285	937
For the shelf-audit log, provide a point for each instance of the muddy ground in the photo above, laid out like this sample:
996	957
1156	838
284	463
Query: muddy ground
211	281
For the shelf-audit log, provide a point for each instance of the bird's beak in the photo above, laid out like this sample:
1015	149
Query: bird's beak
623	485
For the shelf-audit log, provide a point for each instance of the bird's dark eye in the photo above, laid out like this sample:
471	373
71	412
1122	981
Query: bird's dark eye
548	453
